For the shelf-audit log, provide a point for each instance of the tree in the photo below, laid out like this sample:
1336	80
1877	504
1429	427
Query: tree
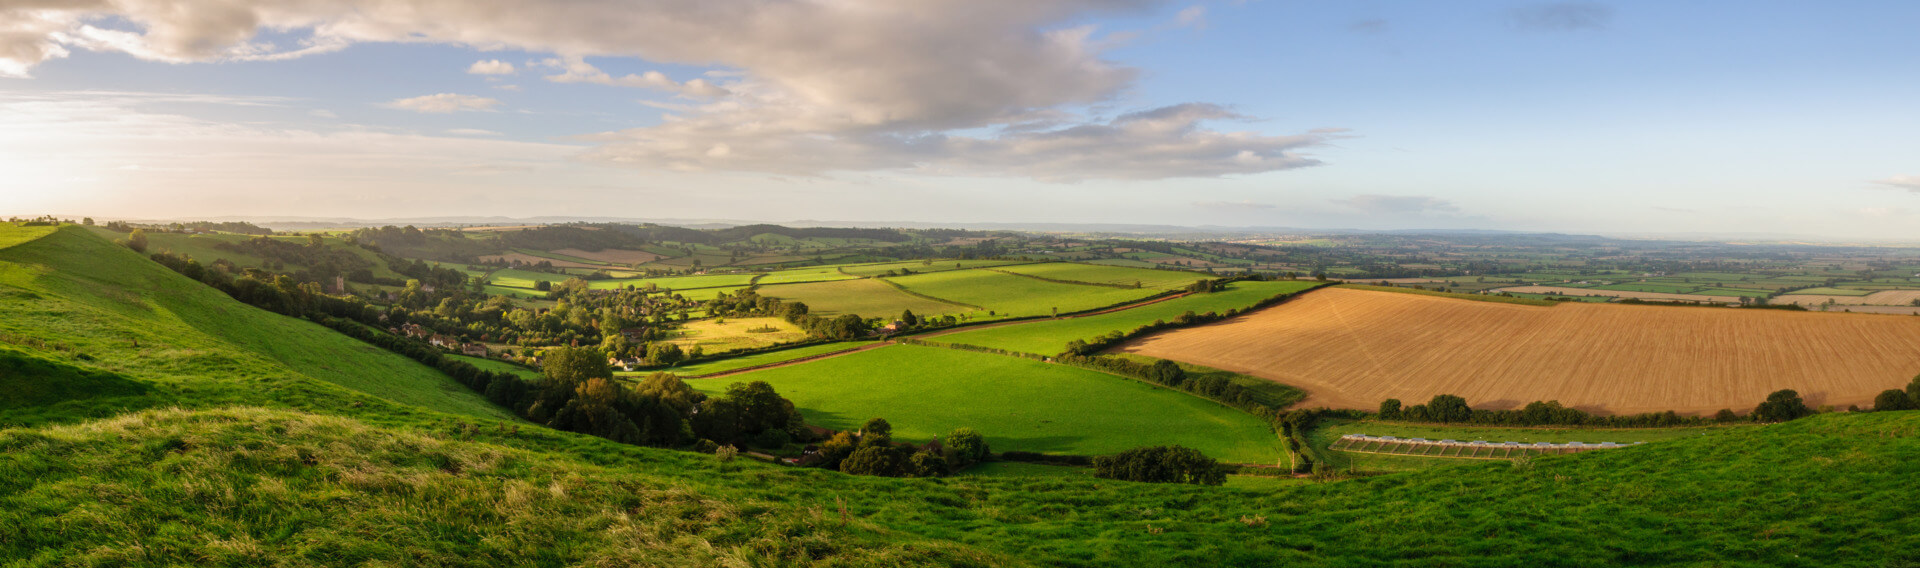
761	408
1390	409
1160	464
907	317
1913	389
1449	408
925	464
876	427
665	353
1167	373
542	285
137	240
884	461
966	447
1781	406
573	365
1725	415
1893	399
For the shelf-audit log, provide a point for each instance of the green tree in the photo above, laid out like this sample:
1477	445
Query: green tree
1913	389
884	461
574	365
966	447
907	317
876	427
137	240
665	353
761	408
925	464
1781	406
1167	373
1160	464
1449	408
1893	399
1390	409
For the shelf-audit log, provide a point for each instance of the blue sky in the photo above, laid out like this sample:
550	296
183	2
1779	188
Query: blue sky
1608	117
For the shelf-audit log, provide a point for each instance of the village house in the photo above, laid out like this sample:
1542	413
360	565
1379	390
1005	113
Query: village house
627	364
443	341
473	349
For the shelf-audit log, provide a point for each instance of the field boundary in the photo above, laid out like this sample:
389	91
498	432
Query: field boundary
903	289
1059	281
1469	297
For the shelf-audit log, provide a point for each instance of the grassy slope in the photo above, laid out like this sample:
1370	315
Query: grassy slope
1019	404
1102	274
196	347
735	363
1050	337
866	297
1016	295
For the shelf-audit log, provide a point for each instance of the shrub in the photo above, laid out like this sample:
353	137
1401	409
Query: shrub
1390	409
884	461
726	453
926	464
1893	399
1781	406
966	447
1160	464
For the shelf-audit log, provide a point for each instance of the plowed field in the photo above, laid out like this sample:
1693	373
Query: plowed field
1354	348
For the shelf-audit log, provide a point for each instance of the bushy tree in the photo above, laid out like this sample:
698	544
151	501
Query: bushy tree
1160	464
1725	415
1390	409
907	317
137	240
1893	399
966	447
1449	408
876	427
884	461
1913	388
665	353
1781	406
1167	373
925	464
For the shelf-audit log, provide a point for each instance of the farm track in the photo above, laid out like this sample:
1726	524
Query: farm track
1352	348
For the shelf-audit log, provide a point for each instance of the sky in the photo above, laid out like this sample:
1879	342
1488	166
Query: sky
1657	117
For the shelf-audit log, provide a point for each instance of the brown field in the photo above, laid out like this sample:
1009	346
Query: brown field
1658	296
1354	348
1881	298
615	256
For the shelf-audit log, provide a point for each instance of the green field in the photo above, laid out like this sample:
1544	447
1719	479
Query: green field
205	248
1831	292
768	358
816	274
1050	337
196	347
1010	295
1328	433
1113	275
499	366
866	297
1019	404
920	266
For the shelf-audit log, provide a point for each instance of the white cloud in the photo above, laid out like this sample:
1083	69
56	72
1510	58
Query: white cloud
491	67
803	87
1909	183
444	103
577	70
472	132
1398	204
1192	17
322	113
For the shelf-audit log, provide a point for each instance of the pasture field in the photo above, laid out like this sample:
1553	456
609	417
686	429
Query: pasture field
757	359
719	335
1113	275
1829	292
522	279
1009	295
537	259
866	297
1352	348
816	274
1050	337
1123	262
499	367
205	248
922	266
1018	403
704	294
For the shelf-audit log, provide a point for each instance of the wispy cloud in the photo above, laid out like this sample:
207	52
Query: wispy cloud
1232	205
1562	16
576	70
1398	204
1909	183
444	103
491	67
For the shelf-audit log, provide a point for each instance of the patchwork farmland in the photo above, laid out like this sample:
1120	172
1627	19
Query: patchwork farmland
1353	348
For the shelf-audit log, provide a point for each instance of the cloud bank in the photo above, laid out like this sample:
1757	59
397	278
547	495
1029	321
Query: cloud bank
1909	183
805	87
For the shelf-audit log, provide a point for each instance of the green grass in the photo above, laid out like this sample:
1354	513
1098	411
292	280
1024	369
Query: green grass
768	358
1325	435
194	346
921	266
1831	292
1050	337
1098	274
1019	404
866	297
1473	297
1007	294
815	274
499	366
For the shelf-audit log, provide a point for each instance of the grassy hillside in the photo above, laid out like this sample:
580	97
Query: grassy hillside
182	343
1008	294
1019	404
